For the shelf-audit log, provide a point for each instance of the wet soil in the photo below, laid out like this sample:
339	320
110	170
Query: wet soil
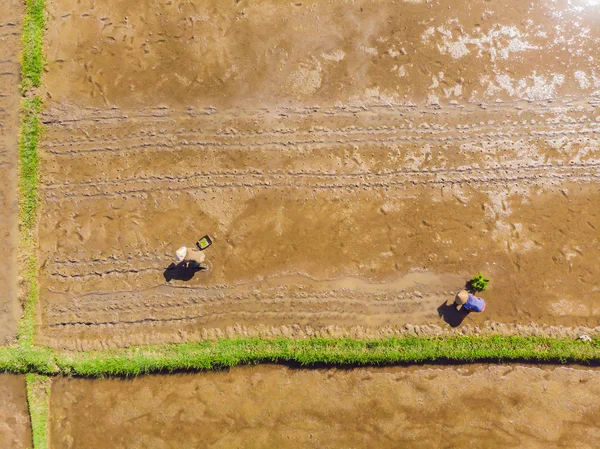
355	163
11	12
15	426
263	53
266	406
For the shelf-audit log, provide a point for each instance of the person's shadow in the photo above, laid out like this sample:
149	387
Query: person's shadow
451	314
183	271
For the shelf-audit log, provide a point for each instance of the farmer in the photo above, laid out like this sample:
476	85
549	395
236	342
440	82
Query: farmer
193	256
469	302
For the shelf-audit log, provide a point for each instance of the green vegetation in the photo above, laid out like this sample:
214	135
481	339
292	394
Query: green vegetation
32	62
25	358
38	398
479	283
319	351
29	162
31	71
227	353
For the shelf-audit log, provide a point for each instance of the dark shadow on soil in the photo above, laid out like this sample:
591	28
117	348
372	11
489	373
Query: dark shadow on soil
469	287
451	314
182	272
552	363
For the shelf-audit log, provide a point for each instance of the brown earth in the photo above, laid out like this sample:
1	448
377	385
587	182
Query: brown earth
355	162
267	406
11	12
15	426
263	53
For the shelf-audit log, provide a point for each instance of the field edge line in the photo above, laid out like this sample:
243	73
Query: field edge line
311	352
317	352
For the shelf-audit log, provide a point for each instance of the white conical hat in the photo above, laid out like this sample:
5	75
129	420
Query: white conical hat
180	254
462	297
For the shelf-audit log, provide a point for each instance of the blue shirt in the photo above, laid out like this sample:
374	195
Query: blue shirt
474	304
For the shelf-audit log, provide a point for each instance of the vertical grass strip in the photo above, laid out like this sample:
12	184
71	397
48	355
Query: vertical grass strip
32	62
38	399
28	203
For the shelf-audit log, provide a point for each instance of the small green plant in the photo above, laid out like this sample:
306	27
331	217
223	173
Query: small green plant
479	282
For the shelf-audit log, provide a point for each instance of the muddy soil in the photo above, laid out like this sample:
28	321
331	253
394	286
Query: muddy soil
355	163
267	406
11	12
15	426
262	53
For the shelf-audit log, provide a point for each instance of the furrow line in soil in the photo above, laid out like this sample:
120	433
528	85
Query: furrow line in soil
67	117
307	174
140	301
530	177
278	146
107	336
547	127
123	131
260	300
360	305
106	272
204	317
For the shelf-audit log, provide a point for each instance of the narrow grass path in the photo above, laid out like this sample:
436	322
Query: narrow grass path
38	399
31	72
32	62
311	352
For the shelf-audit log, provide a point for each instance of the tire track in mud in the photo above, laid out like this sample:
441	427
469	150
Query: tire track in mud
169	311
528	161
275	128
66	115
529	176
294	140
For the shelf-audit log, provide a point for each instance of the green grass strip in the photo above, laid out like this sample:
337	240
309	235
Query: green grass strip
228	353
28	203
32	62
29	162
330	352
25	358
38	398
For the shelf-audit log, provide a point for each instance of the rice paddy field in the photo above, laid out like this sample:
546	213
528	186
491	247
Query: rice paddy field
355	163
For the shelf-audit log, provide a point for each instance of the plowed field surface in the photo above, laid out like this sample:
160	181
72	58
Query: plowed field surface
355	162
15	425
266	406
11	12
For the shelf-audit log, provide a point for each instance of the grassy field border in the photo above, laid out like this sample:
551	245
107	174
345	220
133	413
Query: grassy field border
31	360
32	62
28	202
311	352
38	400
